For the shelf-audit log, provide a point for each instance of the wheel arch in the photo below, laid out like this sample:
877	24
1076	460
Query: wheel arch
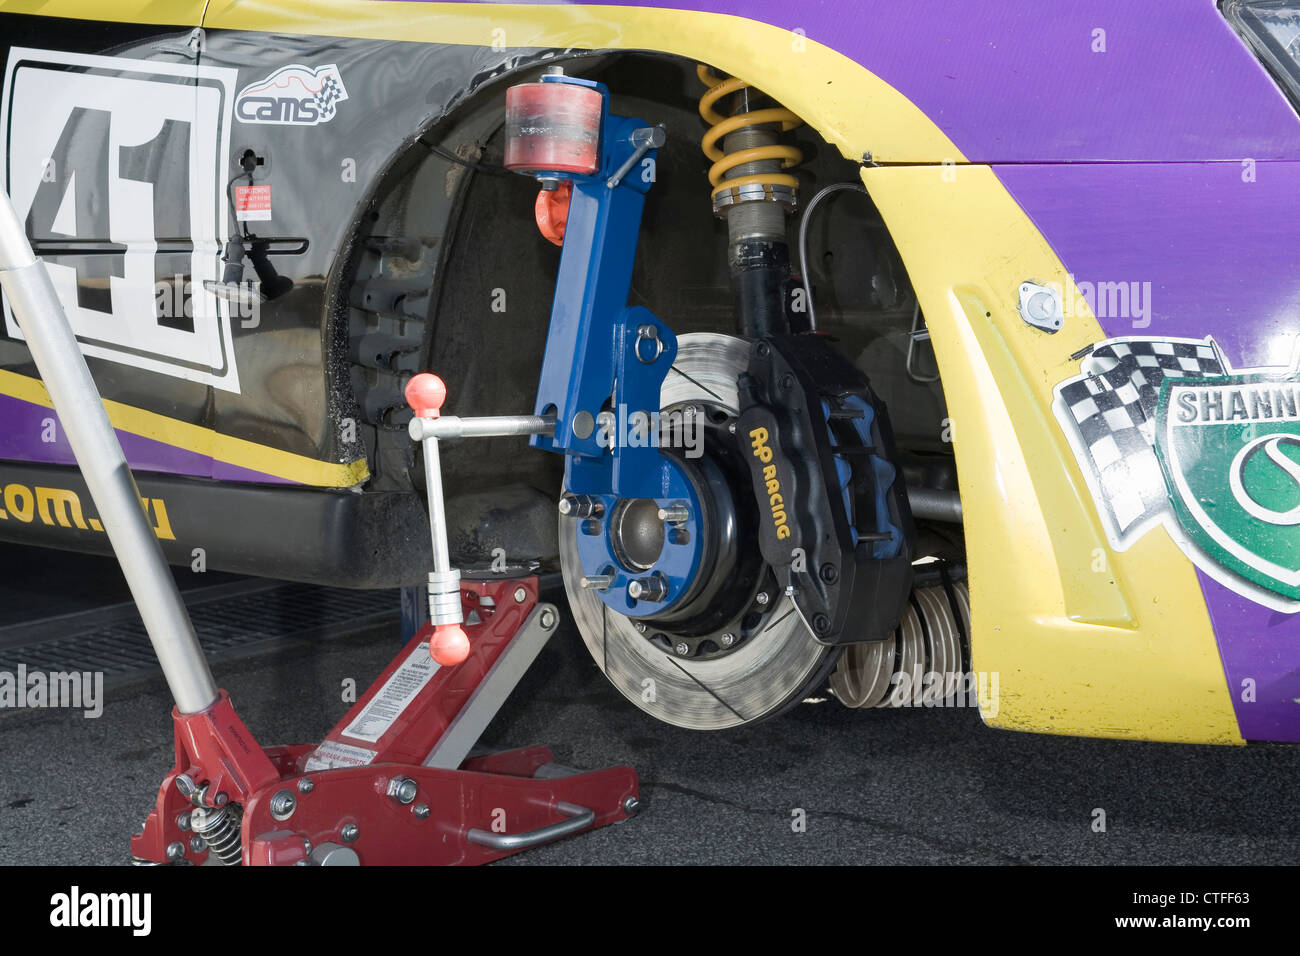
1128	651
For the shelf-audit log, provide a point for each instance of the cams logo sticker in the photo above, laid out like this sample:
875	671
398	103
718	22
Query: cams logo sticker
293	96
1168	433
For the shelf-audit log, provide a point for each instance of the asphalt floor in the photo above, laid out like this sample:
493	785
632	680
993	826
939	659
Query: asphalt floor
918	786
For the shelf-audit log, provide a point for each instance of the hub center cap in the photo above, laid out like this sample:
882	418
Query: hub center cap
636	533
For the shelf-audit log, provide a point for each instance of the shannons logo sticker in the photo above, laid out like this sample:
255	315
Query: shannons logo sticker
1167	433
293	96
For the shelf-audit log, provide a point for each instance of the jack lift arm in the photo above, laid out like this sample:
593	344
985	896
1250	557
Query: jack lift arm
394	782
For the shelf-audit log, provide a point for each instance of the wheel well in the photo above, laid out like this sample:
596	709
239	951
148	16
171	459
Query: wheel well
450	274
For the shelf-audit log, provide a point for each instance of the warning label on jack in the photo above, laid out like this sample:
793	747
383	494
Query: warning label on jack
397	693
332	754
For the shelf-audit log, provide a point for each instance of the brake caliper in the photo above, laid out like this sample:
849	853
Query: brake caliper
835	526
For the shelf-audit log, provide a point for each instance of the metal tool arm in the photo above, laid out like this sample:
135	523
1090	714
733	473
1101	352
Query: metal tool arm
426	393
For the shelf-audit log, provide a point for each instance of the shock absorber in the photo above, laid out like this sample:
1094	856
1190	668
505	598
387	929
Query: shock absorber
752	191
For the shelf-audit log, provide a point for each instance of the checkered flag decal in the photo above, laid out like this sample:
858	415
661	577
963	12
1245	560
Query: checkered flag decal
331	92
1111	410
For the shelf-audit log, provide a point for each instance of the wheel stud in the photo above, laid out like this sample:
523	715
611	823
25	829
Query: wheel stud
647	589
581	506
675	514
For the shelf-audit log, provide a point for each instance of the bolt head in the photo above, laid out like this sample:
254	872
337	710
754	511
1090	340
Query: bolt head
728	640
350	832
583	424
566	505
222	800
421	811
639	627
283	804
683	649
305	785
547	619
183	822
198	844
403	789
176	851
762	598
186	785
631	805
521	595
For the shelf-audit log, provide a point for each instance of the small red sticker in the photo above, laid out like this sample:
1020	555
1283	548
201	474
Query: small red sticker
252	203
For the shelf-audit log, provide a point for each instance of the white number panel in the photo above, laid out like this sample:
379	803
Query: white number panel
118	167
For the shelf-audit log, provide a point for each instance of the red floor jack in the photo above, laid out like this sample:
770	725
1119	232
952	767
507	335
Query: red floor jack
390	784
393	782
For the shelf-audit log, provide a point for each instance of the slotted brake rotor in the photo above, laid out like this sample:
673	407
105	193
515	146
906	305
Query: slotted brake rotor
755	661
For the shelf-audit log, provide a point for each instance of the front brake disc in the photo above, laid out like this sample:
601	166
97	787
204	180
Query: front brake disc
775	662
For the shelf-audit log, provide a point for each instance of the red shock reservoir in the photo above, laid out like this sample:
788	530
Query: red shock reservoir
553	127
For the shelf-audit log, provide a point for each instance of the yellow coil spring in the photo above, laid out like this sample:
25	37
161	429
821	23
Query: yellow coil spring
720	126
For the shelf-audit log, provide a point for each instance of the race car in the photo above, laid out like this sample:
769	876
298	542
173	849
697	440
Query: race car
929	351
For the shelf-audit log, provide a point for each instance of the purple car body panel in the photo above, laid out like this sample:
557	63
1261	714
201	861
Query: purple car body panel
1019	81
22	440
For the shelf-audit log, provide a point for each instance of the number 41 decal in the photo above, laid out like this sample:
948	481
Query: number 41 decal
117	167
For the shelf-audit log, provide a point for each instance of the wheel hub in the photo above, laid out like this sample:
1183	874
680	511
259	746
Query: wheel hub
636	533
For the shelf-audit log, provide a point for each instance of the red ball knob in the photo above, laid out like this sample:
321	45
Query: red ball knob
425	393
449	645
